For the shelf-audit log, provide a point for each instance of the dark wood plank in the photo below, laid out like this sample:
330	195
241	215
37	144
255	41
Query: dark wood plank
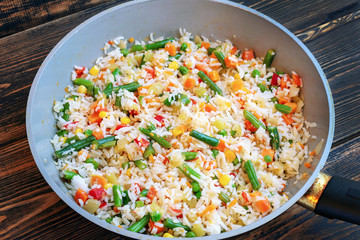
16	16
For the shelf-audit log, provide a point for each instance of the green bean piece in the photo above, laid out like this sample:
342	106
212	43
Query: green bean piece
85	82
183	70
222	132
210	83
291	141
198	45
250	171
155	216
185	99
137	48
267	158
224	197
169	223
151	127
69	140
62	132
149	151
109	219
118	101
108	90
73	97
66	117
269	57
105	140
159	44
198	195
125	164
232	133
256	122
220	56
76	146
116	72
88	132
283	108
190	173
108	144
126	198
141	164
69	174
215	152
137	226
274	99
183	47
205	138
189	155
141	100
236	161
195	186
125	52
155	137
142	62
131	87
93	162
139	204
211	50
279	72
190	234
65	107
255	73
262	87
117	194
274	137
144	192
245	207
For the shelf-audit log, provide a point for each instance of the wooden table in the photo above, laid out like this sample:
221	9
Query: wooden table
29	209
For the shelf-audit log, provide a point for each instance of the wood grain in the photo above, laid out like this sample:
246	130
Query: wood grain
29	209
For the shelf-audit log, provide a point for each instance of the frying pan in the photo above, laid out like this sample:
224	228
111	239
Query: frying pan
245	27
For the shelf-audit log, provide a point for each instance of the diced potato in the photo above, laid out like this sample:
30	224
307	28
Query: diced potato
156	89
92	205
111	178
198	229
219	124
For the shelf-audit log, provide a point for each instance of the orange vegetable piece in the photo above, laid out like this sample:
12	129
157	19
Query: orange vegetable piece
268	151
233	50
152	226
307	165
214	76
284	80
80	194
263	205
248	55
296	79
312	153
151	193
190	83
94	118
206	45
141	93
209	107
100	180
201	67
254	194
230	62
207	210
292	105
221	146
288	119
283	100
249	126
213	55
98	134
232	203
170	48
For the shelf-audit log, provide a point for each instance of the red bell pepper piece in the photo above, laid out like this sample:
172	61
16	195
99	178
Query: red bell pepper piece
274	80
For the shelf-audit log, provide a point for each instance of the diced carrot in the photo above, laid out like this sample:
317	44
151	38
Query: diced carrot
221	146
312	153
296	79
307	165
151	193
301	145
263	205
249	126
170	48
202	67
239	148
245	196
292	105
206	45
213	55
232	203
254	194
80	194
241	101
214	76
190	83
237	85
283	100
288	119
98	134
158	228
233	50
268	151
142	93
131	40
97	179
284	80
248	55
209	107
207	210
230	62
94	118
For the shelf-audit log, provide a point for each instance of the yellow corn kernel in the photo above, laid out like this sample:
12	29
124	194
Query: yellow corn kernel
125	120
202	105
78	130
131	40
174	65
237	76
94	70
228	104
70	99
103	114
229	155
63	139
168	235
128	172
224	180
82	89
246	90
108	185
179	130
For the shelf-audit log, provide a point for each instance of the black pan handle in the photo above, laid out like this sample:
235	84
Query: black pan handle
341	200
